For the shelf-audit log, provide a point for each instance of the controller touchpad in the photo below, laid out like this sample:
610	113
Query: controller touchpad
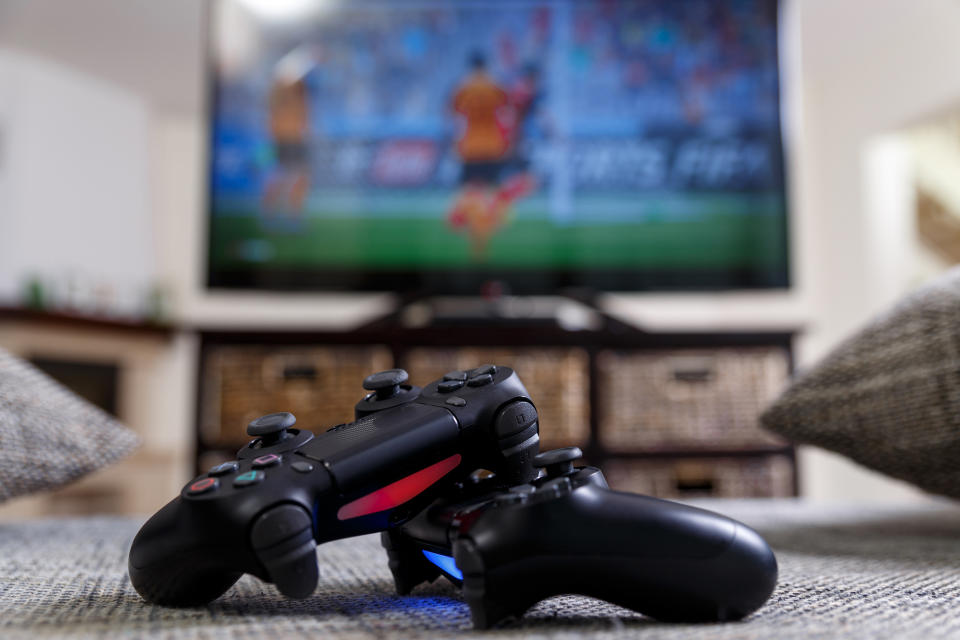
383	446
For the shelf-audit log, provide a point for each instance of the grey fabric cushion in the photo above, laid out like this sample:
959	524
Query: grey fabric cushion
889	397
50	436
846	571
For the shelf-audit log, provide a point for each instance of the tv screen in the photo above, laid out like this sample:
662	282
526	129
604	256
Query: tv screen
435	146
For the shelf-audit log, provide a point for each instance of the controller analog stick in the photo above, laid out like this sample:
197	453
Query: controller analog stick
271	428
385	384
558	462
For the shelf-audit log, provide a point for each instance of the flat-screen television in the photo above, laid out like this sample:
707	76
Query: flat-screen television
435	146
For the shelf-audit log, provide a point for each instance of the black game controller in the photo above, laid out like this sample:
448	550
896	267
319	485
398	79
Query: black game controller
567	532
288	490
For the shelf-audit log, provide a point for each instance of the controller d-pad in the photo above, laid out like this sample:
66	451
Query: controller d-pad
484	369
448	386
455	401
455	375
481	380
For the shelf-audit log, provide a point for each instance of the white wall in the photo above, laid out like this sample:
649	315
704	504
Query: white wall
74	179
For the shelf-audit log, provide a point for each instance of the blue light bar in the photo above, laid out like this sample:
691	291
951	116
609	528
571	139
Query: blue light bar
447	564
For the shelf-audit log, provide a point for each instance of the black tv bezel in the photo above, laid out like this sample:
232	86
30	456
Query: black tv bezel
459	281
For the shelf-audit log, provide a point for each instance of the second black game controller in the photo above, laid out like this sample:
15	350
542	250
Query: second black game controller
288	490
568	533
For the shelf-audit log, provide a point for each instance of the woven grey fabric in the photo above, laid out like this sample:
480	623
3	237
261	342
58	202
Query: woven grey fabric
49	436
889	397
845	572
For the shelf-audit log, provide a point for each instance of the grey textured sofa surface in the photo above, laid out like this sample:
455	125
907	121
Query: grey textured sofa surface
846	571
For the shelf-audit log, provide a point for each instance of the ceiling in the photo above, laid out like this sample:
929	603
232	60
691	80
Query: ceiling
153	49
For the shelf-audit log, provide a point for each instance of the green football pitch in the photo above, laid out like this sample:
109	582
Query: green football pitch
718	240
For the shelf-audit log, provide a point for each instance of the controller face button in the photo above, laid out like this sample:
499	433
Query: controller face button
448	386
302	467
455	375
203	486
249	478
266	461
456	401
224	469
480	380
484	369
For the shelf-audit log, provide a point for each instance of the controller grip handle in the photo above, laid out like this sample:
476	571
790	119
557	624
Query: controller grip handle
169	567
673	563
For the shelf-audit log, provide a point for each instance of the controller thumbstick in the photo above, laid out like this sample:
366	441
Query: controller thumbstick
557	462
385	384
271	428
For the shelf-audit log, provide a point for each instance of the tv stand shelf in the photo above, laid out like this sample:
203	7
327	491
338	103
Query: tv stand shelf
660	412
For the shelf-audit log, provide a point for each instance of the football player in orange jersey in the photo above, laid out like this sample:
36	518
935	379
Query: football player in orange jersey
483	148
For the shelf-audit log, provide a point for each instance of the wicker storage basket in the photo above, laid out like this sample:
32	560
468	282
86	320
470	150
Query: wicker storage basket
754	477
319	385
688	398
